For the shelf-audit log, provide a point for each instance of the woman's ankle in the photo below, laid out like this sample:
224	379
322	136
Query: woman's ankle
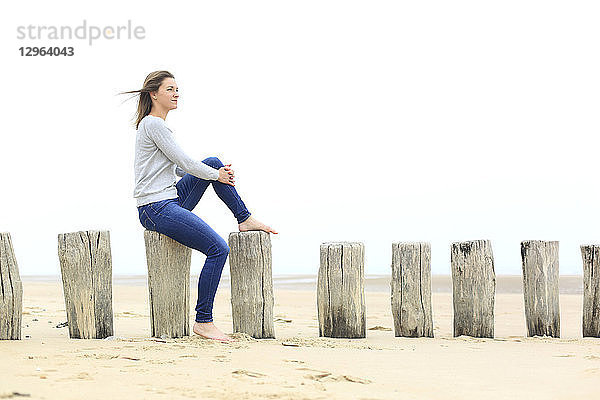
245	219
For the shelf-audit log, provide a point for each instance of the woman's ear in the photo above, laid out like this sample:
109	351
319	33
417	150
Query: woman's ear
153	95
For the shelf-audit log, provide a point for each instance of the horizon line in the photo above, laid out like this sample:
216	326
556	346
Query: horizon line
285	275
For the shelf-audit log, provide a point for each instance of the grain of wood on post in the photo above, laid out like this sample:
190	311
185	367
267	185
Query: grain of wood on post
473	288
411	289
86	269
340	290
11	291
540	287
251	276
168	285
591	290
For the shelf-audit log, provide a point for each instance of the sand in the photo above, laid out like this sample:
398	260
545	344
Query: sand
298	364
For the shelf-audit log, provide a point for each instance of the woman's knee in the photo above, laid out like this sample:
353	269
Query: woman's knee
220	248
213	162
225	248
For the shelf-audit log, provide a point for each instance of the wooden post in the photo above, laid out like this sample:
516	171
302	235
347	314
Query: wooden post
168	285
340	290
411	289
251	283
11	291
473	288
591	288
86	269
540	287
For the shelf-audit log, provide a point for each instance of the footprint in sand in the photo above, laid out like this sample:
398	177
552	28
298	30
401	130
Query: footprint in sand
466	338
354	379
14	395
242	337
160	362
188	356
240	372
325	376
99	356
379	328
318	377
36	356
84	376
300	341
130	314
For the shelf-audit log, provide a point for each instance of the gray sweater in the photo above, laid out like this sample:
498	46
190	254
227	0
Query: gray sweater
159	159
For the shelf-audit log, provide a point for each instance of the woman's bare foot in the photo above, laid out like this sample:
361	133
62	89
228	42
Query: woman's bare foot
208	330
252	224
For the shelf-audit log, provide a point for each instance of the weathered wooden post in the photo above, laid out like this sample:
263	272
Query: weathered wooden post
168	285
473	288
86	269
540	287
251	283
411	289
591	287
340	290
11	291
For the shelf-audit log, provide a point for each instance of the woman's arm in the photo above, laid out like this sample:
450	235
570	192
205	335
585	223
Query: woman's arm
163	138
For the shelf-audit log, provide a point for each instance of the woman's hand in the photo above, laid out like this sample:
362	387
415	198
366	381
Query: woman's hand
226	175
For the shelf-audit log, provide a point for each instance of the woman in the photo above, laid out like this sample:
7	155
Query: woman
165	205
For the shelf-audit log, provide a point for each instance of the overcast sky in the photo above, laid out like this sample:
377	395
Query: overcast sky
372	121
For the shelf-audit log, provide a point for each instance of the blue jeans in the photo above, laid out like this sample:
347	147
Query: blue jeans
174	218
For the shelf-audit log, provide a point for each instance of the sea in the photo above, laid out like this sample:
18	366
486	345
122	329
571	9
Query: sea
568	284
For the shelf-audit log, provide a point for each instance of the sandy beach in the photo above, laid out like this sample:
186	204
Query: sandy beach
298	364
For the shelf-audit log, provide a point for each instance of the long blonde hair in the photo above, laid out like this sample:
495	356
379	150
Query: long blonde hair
151	84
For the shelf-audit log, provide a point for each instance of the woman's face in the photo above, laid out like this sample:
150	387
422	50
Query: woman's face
167	94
